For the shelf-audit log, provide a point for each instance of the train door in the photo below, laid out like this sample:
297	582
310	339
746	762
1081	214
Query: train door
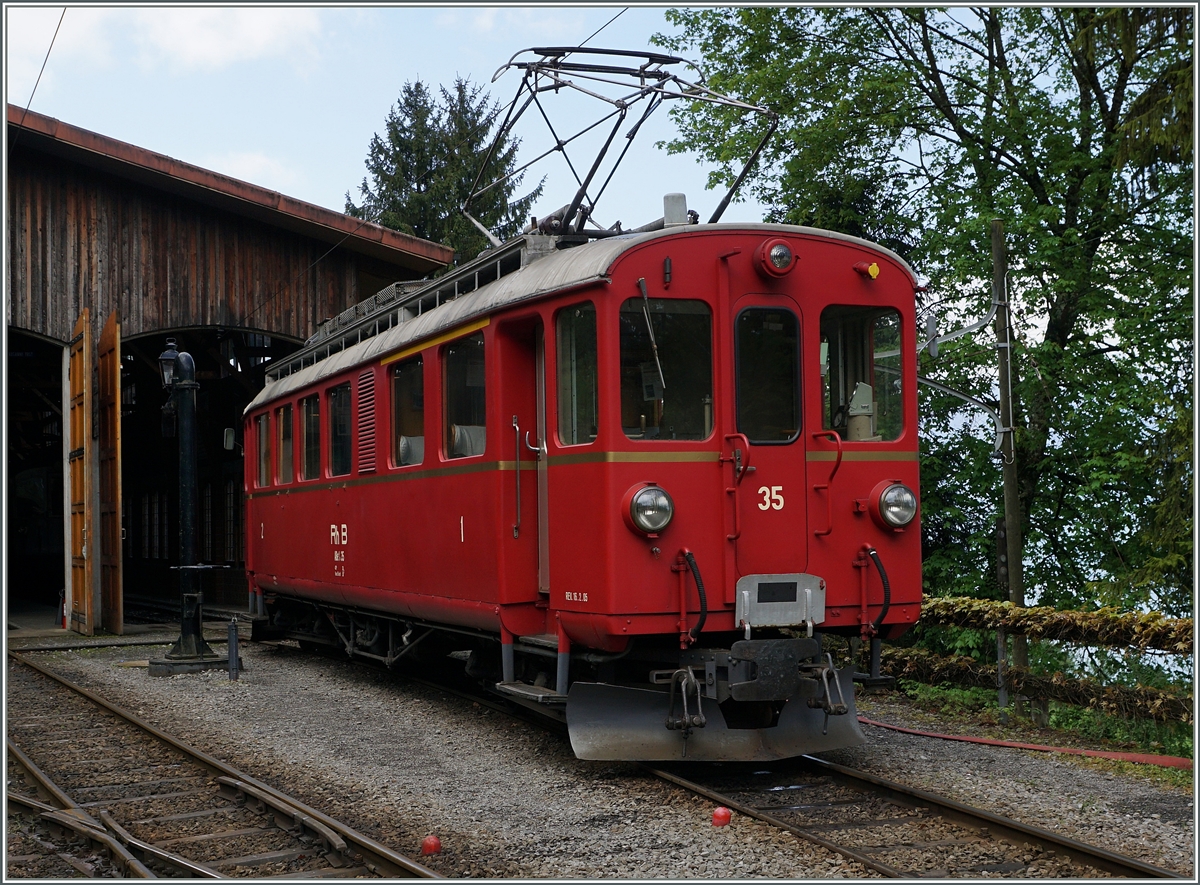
523	411
79	433
765	447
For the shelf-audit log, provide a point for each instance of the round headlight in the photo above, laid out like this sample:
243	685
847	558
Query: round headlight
898	505
651	509
775	258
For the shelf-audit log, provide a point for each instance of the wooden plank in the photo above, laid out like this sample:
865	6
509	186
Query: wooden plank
112	611
79	480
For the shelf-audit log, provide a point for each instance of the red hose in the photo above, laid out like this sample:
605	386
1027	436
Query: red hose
1142	758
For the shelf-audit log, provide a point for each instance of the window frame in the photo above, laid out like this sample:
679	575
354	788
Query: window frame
333	397
308	444
263	473
447	424
393	374
290	477
560	390
798	389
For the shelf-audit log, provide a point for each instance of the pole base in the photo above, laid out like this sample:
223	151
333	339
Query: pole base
174	667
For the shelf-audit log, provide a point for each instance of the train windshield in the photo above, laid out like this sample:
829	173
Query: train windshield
860	371
768	375
666	369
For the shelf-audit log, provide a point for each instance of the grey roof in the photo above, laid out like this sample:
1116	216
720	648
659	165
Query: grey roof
558	271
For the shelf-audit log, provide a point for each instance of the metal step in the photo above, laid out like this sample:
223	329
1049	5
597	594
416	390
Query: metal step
536	693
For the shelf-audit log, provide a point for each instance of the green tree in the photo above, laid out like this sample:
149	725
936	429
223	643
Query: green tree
916	127
422	169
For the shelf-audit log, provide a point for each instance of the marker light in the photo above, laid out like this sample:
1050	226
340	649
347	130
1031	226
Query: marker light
897	505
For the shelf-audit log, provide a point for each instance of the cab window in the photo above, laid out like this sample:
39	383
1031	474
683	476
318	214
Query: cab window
860	373
666	369
577	380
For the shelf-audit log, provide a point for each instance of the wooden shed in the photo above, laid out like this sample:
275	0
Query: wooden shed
110	249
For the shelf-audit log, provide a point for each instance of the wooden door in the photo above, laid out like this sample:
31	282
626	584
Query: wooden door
112	615
79	374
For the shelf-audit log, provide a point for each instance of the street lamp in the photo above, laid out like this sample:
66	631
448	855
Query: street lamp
178	372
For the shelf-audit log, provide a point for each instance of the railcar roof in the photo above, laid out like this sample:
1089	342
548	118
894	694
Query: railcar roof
559	271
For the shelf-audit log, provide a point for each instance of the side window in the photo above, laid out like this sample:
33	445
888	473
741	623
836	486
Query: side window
339	430
465	402
286	468
577	384
666	369
860	373
768	375
262	440
310	437
408	412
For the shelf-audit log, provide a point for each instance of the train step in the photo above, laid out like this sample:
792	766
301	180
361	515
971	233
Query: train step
536	693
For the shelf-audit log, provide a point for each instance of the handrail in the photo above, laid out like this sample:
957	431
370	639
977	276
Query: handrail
831	434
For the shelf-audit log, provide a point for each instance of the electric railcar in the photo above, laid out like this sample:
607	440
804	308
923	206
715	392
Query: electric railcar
631	480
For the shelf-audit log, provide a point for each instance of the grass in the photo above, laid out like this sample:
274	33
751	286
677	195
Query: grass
1073	726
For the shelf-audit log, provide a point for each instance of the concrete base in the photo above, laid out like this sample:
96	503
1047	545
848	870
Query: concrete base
168	667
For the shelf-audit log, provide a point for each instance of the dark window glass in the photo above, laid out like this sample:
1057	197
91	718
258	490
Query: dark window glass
466	434
262	439
310	437
666	378
768	375
339	430
860	369
286	468
577	385
408	413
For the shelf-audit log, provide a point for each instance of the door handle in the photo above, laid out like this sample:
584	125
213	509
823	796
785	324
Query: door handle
538	448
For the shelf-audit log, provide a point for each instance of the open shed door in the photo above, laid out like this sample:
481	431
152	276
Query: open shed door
79	374
112	613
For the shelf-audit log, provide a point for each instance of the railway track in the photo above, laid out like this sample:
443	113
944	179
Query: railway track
99	792
896	830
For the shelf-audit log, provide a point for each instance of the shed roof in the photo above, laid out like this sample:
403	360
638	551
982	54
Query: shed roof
50	136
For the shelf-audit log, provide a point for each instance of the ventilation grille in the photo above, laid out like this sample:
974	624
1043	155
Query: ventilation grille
366	422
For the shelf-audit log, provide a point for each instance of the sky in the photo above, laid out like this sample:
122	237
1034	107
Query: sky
288	97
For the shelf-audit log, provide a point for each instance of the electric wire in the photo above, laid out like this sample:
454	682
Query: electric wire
37	82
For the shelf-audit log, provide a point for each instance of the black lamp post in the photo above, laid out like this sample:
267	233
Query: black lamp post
179	376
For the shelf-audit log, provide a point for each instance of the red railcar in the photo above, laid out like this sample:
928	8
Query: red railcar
630	480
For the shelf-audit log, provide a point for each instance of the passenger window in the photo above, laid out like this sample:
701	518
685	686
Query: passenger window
860	371
408	413
577	384
283	420
463	366
768	375
262	438
666	369
339	430
310	437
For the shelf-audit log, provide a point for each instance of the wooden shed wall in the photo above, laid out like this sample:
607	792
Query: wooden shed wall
80	237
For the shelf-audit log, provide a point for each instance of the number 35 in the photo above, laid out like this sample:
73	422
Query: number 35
772	498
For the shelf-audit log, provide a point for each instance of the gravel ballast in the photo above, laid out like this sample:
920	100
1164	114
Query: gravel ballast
398	761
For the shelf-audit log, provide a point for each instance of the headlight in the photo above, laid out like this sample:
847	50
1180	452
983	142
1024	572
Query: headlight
775	258
898	505
651	509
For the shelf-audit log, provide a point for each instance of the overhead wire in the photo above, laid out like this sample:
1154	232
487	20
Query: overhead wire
37	82
374	217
